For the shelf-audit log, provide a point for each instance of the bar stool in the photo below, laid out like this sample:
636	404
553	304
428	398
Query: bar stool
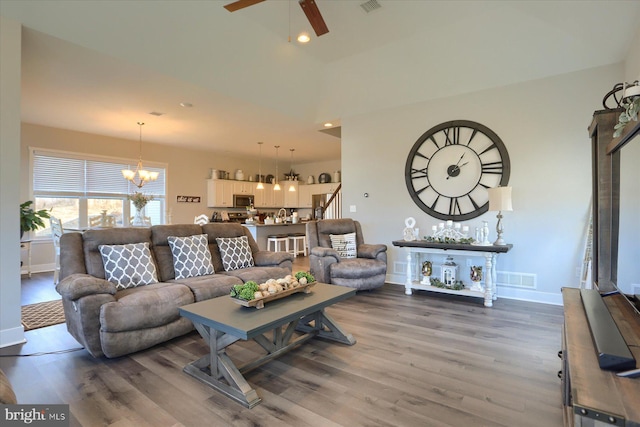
297	239
278	240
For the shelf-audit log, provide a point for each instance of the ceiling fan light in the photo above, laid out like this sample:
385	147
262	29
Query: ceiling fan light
303	38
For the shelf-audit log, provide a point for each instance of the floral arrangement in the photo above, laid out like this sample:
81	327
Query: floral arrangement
465	241
140	200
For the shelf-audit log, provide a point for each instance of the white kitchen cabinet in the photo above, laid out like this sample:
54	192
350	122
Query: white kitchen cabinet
264	197
304	196
269	198
291	198
219	193
278	196
243	187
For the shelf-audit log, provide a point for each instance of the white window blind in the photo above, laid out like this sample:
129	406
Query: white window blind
69	174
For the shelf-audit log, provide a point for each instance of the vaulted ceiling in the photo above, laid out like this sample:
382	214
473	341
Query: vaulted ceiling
102	66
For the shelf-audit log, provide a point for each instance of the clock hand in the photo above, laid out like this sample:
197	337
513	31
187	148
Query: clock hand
454	170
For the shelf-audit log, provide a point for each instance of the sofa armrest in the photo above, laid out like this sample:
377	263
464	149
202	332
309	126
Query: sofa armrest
268	259
320	251
370	251
80	285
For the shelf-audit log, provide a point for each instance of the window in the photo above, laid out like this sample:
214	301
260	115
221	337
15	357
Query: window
81	190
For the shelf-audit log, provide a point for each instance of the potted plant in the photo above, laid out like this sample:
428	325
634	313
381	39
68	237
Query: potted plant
31	219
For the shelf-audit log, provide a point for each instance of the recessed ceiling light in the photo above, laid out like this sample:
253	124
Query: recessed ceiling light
304	38
186	104
328	125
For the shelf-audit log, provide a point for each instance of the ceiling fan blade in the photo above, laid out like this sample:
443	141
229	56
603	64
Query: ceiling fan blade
241	4
313	15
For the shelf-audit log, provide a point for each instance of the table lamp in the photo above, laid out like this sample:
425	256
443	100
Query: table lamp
499	200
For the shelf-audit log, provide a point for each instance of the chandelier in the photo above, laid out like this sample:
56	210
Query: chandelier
144	175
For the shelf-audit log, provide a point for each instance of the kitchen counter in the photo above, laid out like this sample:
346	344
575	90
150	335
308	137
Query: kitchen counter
261	231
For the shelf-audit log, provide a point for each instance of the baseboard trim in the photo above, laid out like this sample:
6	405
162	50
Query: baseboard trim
13	336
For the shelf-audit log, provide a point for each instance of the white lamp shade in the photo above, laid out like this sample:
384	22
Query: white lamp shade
500	199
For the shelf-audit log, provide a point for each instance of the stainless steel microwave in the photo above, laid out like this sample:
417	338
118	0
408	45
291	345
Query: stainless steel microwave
242	200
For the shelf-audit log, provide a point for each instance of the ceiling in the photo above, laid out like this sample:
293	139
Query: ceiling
102	66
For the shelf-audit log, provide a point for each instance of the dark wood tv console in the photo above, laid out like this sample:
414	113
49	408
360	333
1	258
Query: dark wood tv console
591	396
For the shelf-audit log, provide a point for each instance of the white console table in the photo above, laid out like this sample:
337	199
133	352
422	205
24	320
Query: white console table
490	254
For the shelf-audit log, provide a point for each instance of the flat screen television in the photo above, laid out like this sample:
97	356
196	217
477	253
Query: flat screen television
626	278
625	253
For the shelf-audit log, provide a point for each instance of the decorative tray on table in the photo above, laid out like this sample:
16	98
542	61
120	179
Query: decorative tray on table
271	290
259	302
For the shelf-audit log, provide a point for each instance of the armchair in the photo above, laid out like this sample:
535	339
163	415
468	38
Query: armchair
366	271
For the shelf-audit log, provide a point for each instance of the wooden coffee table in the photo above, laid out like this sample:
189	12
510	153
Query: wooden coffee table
222	322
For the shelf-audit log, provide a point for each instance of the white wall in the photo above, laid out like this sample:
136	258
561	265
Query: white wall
11	330
544	127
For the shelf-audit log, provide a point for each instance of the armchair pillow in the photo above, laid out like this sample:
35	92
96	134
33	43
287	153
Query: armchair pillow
344	244
191	256
235	252
128	266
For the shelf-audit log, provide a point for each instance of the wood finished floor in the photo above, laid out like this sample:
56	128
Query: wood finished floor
420	360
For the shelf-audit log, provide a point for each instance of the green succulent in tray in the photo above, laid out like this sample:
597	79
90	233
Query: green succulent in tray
245	291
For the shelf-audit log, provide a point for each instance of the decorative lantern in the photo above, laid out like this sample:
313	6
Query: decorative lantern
449	272
426	273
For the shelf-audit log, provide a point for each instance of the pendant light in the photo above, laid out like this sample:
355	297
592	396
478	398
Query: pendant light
260	186
277	186
291	186
144	175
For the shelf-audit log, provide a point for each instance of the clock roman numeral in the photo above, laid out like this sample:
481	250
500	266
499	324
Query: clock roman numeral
489	148
435	202
473	134
492	167
422	189
434	141
455	137
418	173
454	207
473	202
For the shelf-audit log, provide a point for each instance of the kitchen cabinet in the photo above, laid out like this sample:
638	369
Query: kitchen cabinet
269	198
243	187
290	197
278	197
304	196
219	193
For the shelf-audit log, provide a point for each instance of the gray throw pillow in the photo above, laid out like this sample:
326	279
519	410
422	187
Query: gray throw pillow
191	256
345	244
129	265
235	252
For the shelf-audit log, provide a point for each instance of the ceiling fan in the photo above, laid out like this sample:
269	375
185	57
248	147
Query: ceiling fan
308	6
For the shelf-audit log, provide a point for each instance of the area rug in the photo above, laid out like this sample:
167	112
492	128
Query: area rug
42	314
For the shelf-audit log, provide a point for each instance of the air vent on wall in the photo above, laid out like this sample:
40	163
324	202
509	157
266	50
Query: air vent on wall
370	6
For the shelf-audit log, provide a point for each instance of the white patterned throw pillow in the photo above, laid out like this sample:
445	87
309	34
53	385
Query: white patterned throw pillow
345	244
235	252
128	266
191	256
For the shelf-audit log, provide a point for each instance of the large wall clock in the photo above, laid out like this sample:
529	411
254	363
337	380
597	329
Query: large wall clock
450	167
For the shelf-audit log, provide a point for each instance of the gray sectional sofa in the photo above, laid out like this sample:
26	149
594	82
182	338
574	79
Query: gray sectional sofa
112	321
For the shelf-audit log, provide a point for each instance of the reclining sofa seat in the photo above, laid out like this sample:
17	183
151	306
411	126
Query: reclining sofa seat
112	322
365	272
